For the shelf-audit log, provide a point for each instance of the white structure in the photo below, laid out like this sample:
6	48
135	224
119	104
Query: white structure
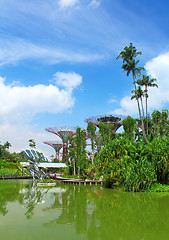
46	165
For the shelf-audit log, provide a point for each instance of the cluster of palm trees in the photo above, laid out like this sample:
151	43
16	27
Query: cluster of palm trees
130	63
145	81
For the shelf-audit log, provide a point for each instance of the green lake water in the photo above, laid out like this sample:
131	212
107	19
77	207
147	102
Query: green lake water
68	212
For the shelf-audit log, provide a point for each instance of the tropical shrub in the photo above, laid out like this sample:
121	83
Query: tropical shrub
158	151
129	125
123	162
46	181
78	161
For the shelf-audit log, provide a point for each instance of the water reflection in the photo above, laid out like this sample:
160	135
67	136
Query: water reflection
8	193
27	193
101	213
91	212
30	197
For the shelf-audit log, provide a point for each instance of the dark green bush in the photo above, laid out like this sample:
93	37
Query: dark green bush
123	162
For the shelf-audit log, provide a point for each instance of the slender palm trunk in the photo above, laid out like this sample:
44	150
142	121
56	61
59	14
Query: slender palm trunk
142	106
92	152
146	110
142	124
74	167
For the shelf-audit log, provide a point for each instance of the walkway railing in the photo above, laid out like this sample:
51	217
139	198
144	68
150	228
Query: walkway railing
14	176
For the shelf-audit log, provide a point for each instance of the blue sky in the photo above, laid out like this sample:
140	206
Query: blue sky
58	63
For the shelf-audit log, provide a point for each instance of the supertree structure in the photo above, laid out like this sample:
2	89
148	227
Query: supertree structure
64	133
56	145
116	120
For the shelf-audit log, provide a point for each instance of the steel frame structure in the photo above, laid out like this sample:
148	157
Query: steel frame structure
64	133
56	145
116	120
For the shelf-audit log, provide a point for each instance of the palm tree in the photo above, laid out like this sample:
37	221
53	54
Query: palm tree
130	65
147	82
139	95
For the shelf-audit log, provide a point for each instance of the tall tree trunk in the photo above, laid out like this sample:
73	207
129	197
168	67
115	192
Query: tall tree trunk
142	106
92	142
146	110
142	124
92	157
74	167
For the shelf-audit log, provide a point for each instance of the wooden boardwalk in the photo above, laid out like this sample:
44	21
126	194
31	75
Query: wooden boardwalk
61	179
15	177
78	181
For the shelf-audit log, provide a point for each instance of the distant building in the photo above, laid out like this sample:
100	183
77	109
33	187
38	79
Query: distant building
35	155
46	165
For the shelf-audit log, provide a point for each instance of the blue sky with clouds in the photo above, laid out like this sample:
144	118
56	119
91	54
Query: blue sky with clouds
58	62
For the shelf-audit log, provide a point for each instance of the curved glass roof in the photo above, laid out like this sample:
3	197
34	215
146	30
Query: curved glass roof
35	155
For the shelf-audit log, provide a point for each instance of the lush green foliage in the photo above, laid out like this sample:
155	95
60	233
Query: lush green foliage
123	162
132	160
77	152
129	125
158	187
9	171
107	133
91	131
160	123
46	181
32	143
134	165
9	162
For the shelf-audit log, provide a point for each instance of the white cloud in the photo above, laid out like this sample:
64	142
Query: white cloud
112	101
67	3
159	68
18	135
127	107
15	50
94	3
20	103
68	80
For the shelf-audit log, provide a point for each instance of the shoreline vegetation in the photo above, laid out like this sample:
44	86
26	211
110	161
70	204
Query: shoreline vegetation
136	160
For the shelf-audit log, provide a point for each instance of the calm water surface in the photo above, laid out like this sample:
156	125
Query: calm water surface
78	212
